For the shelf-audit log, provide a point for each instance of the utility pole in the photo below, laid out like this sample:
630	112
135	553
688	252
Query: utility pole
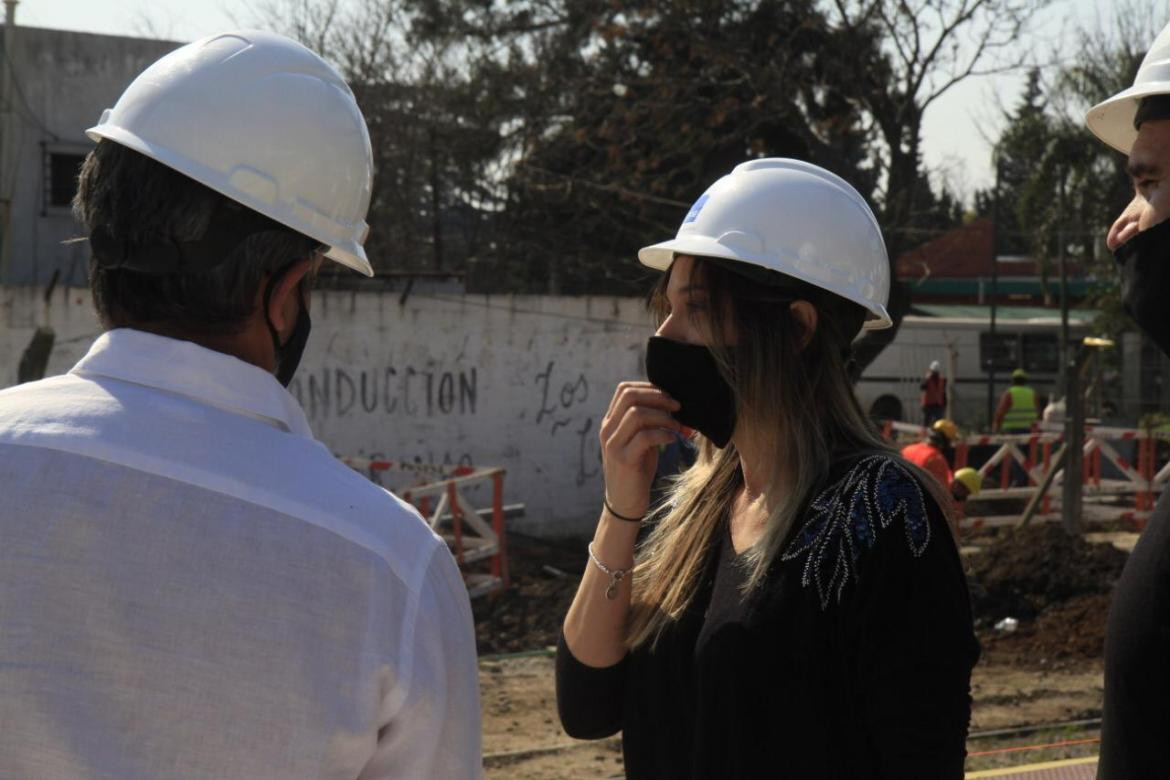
952	373
7	175
1074	433
992	345
1060	237
1074	445
436	203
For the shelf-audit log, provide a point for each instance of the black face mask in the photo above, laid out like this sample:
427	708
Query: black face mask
689	374
288	354
1144	263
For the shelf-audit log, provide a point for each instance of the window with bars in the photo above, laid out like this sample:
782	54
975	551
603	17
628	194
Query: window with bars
1000	352
1041	352
61	174
1035	352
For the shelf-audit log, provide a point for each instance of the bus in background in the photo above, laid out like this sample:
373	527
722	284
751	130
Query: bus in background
960	339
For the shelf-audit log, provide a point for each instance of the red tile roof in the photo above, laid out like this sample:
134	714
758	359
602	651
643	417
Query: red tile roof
962	252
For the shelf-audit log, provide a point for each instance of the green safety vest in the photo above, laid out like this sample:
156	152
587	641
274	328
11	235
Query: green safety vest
1020	417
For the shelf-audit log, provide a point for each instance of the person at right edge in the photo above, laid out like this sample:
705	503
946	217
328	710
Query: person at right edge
1136	122
798	608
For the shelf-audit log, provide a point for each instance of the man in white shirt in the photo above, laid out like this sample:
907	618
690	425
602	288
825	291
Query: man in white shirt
191	586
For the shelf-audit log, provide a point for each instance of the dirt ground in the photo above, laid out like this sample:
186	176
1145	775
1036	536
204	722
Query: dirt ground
1047	671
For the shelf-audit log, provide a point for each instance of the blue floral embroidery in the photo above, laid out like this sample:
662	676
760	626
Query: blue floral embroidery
845	519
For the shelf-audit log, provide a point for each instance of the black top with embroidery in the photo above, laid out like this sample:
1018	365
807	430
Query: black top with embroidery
852	661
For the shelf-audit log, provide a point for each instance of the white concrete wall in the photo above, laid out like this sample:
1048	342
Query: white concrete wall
23	309
519	382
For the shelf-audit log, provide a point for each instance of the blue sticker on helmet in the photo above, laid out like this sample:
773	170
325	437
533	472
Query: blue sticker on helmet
693	214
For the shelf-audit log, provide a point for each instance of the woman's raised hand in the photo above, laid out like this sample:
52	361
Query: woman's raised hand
637	422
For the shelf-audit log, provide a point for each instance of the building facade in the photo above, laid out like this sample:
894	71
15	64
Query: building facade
56	83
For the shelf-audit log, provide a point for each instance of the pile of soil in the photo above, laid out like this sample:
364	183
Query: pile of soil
1067	634
1022	574
529	614
1056	585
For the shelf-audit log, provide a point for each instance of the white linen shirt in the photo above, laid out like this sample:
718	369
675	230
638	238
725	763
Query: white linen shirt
191	586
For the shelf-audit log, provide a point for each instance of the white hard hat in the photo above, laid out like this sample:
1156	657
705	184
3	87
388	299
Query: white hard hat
264	121
792	217
1112	120
935	365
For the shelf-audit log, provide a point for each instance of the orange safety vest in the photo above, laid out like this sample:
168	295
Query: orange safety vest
934	391
927	457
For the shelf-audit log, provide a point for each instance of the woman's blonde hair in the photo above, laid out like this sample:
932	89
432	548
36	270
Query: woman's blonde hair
794	397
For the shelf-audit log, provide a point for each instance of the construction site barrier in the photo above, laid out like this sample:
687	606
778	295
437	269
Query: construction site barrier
439	493
1034	455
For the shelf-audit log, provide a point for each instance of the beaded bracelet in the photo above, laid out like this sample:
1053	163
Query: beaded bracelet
615	575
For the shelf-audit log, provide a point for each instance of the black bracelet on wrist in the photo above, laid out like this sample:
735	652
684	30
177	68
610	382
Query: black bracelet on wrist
608	508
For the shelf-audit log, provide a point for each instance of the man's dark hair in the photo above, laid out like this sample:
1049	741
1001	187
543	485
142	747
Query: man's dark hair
140	202
1151	108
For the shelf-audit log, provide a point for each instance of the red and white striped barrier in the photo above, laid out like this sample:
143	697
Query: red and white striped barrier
1034	453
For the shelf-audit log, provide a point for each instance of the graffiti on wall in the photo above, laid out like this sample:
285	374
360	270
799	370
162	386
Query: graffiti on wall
407	391
563	397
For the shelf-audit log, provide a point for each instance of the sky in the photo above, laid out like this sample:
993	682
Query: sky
956	128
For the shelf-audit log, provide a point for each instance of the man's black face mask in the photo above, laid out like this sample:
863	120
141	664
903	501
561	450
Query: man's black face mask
689	374
288	354
1144	264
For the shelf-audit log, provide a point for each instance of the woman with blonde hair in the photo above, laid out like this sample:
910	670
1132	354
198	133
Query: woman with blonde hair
798	608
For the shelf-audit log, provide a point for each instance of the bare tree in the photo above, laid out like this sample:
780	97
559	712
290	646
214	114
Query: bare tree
932	45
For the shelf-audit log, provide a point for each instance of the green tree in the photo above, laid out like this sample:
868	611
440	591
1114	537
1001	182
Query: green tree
434	134
549	139
1107	56
627	115
1061	188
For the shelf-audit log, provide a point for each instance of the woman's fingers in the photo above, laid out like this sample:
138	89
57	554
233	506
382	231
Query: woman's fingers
622	388
637	419
630	395
650	438
629	470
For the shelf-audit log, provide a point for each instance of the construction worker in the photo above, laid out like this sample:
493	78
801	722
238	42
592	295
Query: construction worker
934	394
191	585
932	454
967	483
1017	409
1136	122
799	582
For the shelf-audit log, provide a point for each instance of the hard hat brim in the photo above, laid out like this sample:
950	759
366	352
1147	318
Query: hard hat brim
659	257
1111	120
349	253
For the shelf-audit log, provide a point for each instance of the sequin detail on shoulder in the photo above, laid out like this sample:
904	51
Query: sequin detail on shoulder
845	519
